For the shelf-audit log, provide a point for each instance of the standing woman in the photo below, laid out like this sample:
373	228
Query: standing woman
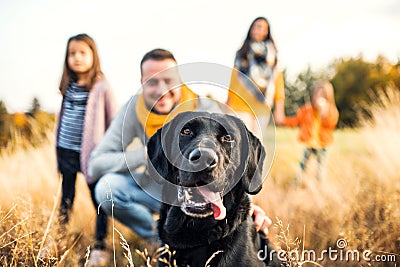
88	106
256	85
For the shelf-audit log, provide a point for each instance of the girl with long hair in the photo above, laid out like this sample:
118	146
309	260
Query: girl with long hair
88	106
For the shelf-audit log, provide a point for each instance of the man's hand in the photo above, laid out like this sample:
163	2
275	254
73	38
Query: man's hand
261	220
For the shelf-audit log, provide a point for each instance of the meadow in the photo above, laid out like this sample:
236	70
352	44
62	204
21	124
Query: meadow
353	211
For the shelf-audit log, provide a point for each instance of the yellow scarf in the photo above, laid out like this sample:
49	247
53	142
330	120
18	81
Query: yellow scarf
151	122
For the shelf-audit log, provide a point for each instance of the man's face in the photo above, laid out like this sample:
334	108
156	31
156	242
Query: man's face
160	82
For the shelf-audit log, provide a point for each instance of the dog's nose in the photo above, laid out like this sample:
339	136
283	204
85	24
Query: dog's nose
203	158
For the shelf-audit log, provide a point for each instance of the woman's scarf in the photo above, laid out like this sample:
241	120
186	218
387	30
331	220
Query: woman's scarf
259	67
151	121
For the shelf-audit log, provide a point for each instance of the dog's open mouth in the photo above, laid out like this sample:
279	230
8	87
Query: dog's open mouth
201	202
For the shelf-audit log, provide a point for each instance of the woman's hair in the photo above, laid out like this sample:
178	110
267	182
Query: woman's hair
95	72
327	91
242	52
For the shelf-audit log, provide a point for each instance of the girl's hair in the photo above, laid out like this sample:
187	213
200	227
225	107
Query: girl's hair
327	90
246	44
95	72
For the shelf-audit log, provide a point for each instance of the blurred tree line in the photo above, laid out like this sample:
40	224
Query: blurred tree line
24	129
356	84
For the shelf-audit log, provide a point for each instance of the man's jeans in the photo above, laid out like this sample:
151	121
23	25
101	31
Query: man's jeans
132	206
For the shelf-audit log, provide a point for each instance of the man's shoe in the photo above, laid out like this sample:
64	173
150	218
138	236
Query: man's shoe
99	258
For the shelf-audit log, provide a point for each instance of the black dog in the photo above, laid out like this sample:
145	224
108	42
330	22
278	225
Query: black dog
211	162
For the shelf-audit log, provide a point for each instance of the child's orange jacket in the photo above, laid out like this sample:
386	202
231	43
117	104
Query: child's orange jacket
305	118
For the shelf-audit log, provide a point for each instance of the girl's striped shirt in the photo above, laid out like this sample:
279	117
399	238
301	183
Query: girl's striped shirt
72	120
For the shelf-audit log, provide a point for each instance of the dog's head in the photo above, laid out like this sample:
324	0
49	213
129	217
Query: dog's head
205	155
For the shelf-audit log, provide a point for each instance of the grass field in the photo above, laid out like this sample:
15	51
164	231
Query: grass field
355	208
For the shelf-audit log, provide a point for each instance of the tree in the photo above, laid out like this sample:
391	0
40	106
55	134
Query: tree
3	108
356	82
298	93
35	107
5	124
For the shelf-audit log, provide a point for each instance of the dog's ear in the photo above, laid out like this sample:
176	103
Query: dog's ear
158	165
252	178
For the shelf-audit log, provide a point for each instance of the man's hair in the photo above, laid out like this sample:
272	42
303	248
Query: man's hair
156	54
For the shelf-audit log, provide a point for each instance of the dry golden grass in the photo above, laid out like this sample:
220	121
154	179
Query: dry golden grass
30	186
358	201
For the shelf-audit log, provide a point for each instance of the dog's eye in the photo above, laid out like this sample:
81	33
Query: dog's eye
227	138
186	131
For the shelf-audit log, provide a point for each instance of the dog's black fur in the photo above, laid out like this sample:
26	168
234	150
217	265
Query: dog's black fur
234	153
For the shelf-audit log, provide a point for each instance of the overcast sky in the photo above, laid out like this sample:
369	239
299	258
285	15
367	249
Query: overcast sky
34	33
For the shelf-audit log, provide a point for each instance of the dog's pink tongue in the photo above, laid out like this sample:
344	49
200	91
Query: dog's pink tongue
216	203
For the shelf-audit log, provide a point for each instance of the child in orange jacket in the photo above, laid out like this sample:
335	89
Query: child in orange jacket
317	121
